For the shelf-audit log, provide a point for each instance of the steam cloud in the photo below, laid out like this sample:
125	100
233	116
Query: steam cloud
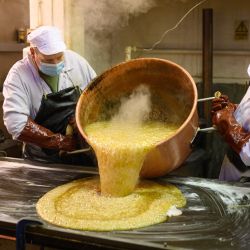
103	17
135	109
109	15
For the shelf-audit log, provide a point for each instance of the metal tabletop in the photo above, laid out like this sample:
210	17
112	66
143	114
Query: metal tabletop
217	214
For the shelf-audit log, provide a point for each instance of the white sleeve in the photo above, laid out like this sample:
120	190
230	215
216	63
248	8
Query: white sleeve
245	154
242	116
91	74
16	104
87	70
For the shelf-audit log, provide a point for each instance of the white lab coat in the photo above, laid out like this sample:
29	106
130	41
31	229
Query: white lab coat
242	114
23	88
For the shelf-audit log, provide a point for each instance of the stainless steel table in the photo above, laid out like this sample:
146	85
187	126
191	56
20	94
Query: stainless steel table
217	214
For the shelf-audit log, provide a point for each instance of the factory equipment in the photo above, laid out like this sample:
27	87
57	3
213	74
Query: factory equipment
217	214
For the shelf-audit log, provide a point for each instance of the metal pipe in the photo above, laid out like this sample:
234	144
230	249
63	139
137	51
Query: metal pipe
128	52
78	151
207	59
168	51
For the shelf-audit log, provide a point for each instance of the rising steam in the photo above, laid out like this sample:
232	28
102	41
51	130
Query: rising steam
110	15
136	108
102	18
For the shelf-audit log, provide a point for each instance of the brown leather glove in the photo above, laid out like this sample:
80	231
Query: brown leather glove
233	133
44	138
219	103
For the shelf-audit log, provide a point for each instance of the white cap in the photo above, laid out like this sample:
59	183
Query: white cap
47	39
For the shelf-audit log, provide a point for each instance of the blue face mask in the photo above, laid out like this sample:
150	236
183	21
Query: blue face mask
51	69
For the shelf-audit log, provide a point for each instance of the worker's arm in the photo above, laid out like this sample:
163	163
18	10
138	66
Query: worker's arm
44	138
19	112
233	133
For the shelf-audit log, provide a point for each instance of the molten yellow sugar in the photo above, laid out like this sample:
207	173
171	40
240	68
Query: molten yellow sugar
79	205
121	148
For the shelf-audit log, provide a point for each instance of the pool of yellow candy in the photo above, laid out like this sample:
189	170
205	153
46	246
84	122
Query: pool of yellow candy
79	205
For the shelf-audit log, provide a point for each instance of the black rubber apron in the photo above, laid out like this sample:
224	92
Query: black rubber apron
54	113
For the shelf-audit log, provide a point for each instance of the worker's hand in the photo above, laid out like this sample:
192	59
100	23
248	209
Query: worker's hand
226	124
73	130
222	117
45	138
219	103
70	141
66	143
72	127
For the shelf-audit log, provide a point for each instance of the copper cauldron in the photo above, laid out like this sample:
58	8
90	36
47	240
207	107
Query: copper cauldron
174	98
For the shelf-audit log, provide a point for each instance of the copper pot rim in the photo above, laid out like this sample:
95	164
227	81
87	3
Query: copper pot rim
132	61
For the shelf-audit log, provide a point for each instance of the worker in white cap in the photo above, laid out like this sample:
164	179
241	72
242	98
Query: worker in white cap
40	95
233	123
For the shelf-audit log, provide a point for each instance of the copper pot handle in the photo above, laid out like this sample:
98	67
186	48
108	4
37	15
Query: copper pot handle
78	151
217	94
204	130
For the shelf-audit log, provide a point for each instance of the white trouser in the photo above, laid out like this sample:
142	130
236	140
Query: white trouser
229	172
